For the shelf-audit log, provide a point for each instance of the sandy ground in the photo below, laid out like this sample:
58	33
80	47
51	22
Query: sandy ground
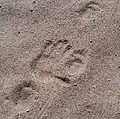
59	59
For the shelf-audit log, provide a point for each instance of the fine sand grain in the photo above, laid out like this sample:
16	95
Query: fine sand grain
59	59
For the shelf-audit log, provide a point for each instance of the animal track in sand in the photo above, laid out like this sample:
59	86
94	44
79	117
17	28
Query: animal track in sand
23	90
27	94
60	56
22	95
91	5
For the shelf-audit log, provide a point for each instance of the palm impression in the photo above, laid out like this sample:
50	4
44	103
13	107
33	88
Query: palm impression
76	62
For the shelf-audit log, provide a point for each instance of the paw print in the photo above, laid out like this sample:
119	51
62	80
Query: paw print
22	95
23	91
25	94
72	65
62	60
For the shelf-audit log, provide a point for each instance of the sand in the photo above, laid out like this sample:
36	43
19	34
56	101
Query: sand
59	59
